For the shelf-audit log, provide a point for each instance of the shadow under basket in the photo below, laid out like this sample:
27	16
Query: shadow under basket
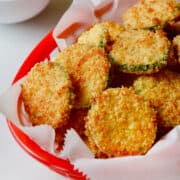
42	51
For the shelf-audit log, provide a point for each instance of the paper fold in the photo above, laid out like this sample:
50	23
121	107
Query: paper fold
163	159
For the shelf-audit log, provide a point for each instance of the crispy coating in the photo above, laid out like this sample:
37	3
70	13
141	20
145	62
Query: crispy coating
47	94
88	67
101	34
151	14
97	36
163	92
114	29
140	52
121	123
176	44
92	146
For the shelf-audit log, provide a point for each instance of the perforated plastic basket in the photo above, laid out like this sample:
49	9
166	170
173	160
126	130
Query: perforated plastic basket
41	52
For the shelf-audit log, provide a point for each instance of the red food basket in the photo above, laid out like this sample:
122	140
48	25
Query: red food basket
61	166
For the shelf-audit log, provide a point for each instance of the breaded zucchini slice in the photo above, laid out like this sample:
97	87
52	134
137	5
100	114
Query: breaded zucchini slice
176	45
97	36
47	94
121	123
113	29
162	90
151	14
140	52
101	34
88	67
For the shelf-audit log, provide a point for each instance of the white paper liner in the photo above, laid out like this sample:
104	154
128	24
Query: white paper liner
83	12
163	159
79	12
74	147
161	162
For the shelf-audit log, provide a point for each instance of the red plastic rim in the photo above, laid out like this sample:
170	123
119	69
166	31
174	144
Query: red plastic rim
61	166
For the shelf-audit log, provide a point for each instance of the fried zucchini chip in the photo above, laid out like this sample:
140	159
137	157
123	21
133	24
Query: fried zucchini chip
97	36
151	14
140	52
101	34
121	123
47	94
162	90
88	67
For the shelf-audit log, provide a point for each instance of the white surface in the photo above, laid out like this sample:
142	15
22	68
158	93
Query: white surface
16	41
20	10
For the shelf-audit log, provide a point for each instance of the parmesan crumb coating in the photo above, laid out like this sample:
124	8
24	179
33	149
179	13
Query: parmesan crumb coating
176	44
47	94
92	146
113	28
88	67
162	90
97	36
101	34
121	123
151	14
140	52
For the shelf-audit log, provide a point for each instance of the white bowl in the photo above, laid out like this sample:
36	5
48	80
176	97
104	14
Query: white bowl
13	11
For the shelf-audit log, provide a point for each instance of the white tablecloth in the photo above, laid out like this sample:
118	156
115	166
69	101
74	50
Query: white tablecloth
16	41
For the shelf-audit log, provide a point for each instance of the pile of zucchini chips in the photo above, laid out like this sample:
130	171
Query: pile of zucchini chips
117	86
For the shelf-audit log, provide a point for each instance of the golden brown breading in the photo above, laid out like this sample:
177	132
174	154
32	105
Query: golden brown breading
88	67
97	36
121	123
101	34
151	14
140	52
92	146
163	92
114	29
47	94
